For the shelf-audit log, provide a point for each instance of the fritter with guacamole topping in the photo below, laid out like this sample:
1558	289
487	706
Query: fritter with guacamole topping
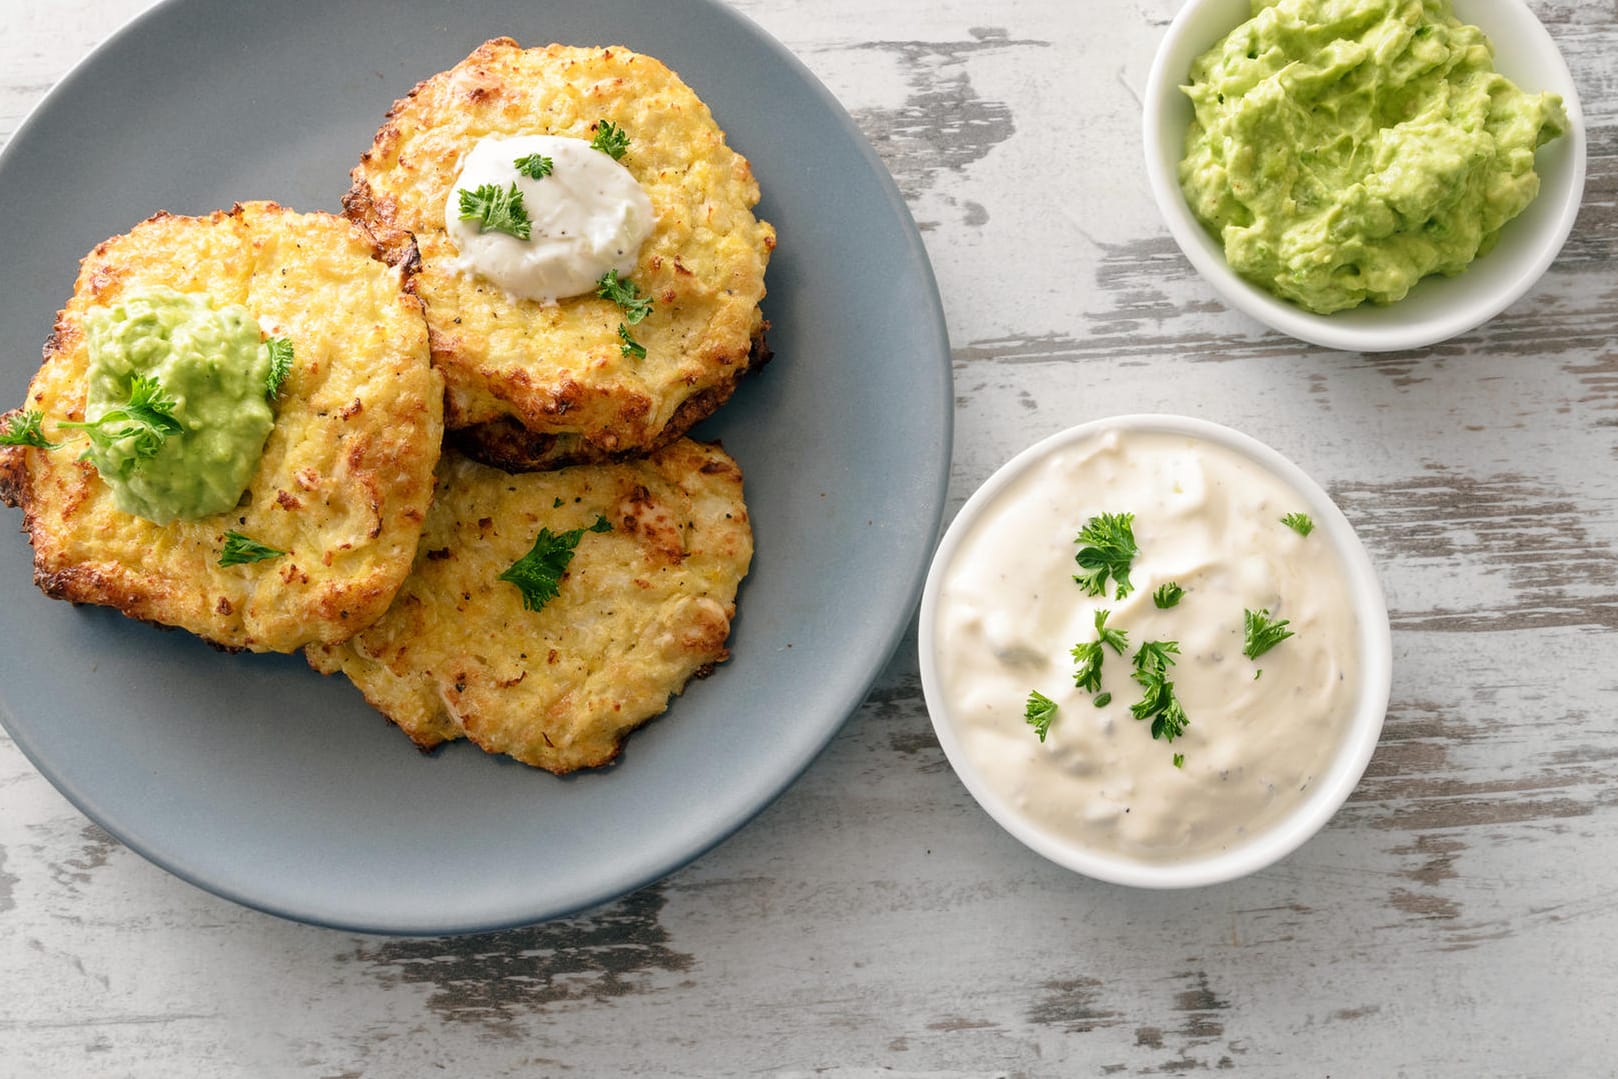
342	410
535	383
551	613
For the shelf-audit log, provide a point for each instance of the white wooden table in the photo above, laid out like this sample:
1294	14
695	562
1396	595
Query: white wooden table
1457	918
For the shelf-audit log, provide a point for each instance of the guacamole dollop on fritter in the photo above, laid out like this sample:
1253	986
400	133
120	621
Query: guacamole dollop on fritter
180	399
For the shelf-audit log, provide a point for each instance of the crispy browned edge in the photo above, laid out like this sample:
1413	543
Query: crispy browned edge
359	203
84	584
507	444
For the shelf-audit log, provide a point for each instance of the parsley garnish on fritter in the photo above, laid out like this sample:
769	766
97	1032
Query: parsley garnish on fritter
280	364
610	139
630	346
26	429
626	294
240	549
538	574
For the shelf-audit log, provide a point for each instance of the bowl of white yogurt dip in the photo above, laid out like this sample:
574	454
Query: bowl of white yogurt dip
1155	651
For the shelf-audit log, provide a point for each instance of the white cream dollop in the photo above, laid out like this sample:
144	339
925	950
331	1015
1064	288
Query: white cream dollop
588	216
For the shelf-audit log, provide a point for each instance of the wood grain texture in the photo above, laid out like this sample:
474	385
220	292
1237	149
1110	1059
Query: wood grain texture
1455	919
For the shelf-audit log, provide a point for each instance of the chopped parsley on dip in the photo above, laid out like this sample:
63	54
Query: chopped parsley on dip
1342	150
1150	732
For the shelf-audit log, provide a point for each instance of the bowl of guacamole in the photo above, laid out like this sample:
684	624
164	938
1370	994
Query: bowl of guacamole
1366	175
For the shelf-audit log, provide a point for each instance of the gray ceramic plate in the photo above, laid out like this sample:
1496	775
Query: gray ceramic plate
259	780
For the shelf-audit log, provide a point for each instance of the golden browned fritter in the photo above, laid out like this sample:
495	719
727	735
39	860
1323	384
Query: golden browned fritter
531	385
641	608
346	473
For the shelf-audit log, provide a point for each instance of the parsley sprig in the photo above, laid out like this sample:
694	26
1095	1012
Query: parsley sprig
535	166
1263	632
630	346
240	550
626	294
1039	711
1158	702
538	574
148	418
26	429
610	139
1167	595
1299	523
496	209
1089	654
1107	547
280	349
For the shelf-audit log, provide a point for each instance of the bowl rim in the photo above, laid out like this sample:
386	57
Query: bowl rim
1359	740
1206	255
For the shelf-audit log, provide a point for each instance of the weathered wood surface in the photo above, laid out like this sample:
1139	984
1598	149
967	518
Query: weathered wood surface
1457	918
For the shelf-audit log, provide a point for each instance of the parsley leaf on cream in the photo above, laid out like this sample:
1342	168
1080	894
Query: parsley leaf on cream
1116	639
535	166
1299	523
1158	702
496	209
538	574
1089	655
1263	632
1167	595
1107	547
1156	655
1039	711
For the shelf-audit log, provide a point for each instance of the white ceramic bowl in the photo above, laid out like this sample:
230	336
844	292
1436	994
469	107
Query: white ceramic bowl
1438	307
1332	788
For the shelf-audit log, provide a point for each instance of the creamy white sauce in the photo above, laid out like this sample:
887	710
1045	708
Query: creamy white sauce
588	216
1008	614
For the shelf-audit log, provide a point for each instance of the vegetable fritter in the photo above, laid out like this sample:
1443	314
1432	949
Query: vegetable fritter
532	385
551	613
342	487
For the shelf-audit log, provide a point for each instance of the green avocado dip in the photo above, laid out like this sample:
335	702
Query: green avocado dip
1342	150
211	368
